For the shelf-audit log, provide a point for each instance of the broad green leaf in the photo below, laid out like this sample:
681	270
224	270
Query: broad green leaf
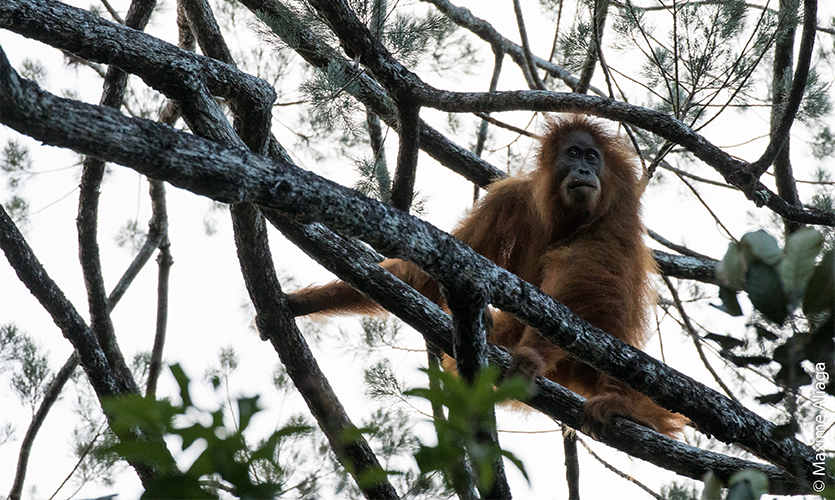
820	292
182	381
766	292
747	485
730	304
192	433
175	487
798	263
247	408
761	246
771	399
725	341
713	486
732	268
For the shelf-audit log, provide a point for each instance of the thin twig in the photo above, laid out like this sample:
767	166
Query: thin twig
81	457
707	207
536	82
619	472
672	246
691	331
487	118
50	397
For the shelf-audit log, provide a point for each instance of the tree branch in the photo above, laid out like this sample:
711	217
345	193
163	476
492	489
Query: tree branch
572	463
49	398
308	45
782	66
66	317
600	9
484	30
468	304
780	133
276	324
535	82
164	261
686	267
115	83
403	186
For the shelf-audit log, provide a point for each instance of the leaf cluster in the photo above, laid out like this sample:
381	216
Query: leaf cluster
778	282
470	407
226	458
744	485
15	163
28	362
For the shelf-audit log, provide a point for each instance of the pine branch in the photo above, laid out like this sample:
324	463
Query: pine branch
370	93
484	30
53	391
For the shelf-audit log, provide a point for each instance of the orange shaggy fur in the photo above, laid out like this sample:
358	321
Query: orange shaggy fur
589	256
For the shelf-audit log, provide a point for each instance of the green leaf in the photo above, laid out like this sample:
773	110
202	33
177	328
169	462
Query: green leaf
182	381
730	304
730	271
725	341
771	399
745	360
470	412
820	292
247	408
761	246
747	485
713	486
798	263
193	433
766	292
179	486
518	463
